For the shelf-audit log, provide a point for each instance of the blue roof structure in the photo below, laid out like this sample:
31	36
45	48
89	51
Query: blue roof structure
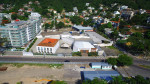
82	28
107	75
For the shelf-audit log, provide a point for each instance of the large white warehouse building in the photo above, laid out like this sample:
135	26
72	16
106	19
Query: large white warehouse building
83	47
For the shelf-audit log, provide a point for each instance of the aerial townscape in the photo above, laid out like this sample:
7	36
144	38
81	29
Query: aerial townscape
75	42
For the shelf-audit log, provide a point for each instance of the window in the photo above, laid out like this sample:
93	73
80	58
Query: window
38	48
51	49
41	49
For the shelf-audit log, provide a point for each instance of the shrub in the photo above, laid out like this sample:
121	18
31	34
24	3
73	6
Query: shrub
112	61
125	60
92	54
31	44
76	54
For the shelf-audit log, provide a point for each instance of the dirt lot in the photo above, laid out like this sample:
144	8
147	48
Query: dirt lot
29	74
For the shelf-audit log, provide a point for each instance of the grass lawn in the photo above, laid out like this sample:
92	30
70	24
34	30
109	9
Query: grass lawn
133	30
112	47
145	66
32	64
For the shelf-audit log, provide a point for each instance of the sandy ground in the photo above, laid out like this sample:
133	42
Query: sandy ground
29	74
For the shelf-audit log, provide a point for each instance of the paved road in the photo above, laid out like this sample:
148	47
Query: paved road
48	59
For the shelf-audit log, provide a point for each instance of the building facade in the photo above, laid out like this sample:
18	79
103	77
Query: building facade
48	45
83	47
20	33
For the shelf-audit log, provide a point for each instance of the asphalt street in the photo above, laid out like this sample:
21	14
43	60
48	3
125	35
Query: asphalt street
48	59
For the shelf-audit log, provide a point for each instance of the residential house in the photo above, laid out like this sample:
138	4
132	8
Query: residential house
108	31
30	2
29	10
148	20
115	24
123	7
127	14
100	7
116	13
21	9
37	2
87	4
112	5
75	9
142	11
91	9
148	11
106	21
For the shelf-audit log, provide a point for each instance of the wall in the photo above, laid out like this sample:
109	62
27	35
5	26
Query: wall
103	44
53	36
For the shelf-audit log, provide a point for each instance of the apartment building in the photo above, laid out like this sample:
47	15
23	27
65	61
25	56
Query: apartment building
20	33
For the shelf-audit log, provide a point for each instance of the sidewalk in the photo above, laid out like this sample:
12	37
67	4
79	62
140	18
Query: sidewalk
68	57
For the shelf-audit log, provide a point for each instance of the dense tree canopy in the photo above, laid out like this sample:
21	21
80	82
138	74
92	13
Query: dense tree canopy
60	25
124	60
120	80
112	61
139	19
76	20
80	4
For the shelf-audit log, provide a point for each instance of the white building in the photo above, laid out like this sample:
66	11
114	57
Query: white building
34	15
75	9
48	45
101	65
83	47
87	4
116	12
19	33
123	7
81	28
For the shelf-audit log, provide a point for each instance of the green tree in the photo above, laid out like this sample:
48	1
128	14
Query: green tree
46	26
88	22
109	25
124	60
58	82
117	80
14	16
139	19
122	24
52	25
108	15
114	35
147	35
76	20
137	43
60	25
95	81
26	14
112	61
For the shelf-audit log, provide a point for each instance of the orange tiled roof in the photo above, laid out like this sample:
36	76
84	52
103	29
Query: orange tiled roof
13	12
48	42
129	26
147	11
115	21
